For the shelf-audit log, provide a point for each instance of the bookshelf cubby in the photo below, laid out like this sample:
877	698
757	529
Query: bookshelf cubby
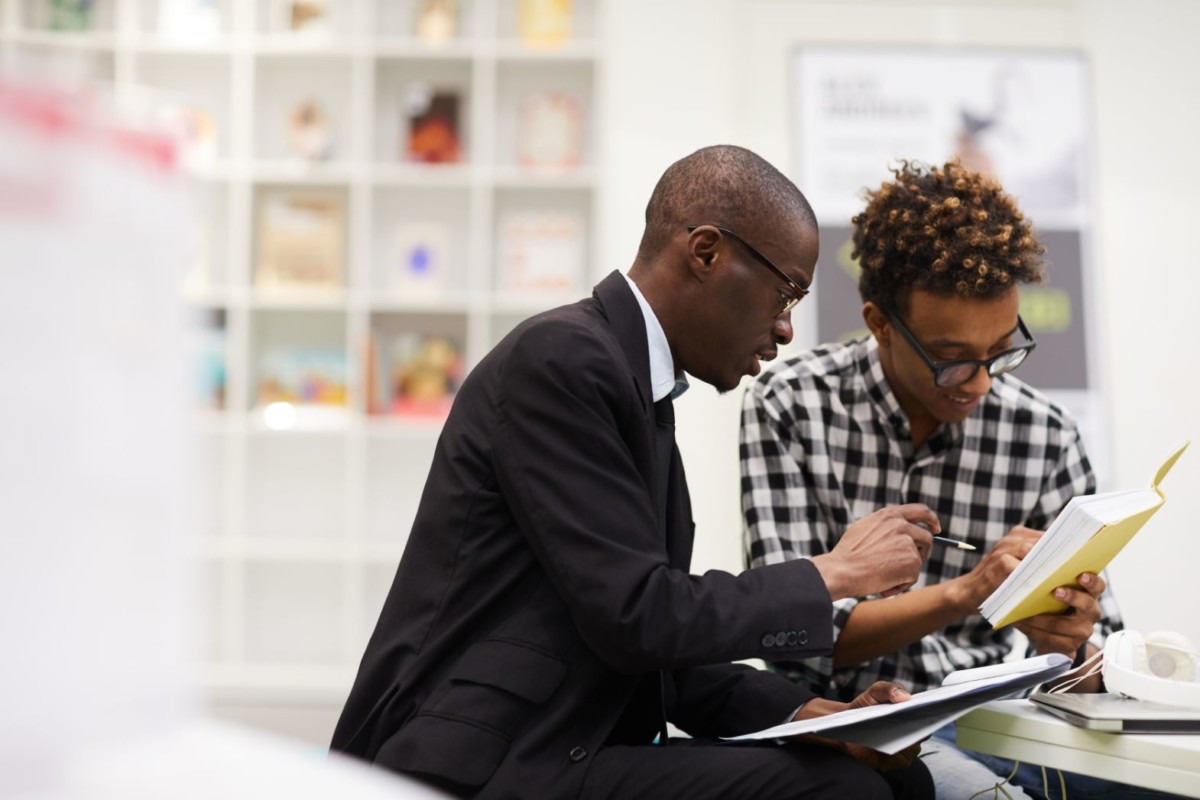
306	511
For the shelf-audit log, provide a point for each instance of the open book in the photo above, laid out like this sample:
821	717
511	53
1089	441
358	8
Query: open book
891	727
1083	538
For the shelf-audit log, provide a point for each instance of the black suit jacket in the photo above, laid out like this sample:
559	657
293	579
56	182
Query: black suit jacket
541	608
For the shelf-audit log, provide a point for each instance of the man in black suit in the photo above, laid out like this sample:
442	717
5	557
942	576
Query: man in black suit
543	627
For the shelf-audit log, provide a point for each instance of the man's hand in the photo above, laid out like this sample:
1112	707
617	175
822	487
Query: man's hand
975	586
880	553
1064	633
878	692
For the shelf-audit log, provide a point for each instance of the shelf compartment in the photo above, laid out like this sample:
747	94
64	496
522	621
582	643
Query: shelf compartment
422	111
296	488
302	109
543	242
414	364
294	613
419	247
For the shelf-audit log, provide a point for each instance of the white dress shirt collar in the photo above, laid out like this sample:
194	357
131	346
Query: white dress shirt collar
664	380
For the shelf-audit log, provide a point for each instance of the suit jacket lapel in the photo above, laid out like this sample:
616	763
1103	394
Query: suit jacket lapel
625	316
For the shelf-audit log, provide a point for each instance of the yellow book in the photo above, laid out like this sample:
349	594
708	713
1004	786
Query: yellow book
1088	533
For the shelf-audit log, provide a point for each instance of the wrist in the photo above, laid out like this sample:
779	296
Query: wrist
817	707
833	574
960	597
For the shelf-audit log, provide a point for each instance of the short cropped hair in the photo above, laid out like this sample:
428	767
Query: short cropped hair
948	230
720	185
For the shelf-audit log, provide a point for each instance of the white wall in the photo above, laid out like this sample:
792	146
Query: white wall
686	73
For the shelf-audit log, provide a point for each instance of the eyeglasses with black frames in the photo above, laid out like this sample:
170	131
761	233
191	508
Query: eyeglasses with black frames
949	374
787	299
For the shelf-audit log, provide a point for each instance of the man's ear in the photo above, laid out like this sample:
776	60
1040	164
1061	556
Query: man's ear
877	322
702	252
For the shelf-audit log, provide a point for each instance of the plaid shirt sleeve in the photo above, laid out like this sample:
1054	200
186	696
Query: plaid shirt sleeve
1073	476
783	515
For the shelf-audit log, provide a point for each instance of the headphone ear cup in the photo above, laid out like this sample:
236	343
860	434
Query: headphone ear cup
1127	649
1170	655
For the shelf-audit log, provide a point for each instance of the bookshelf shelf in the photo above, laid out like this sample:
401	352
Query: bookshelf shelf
304	150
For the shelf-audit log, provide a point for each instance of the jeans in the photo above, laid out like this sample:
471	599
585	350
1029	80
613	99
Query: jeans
959	774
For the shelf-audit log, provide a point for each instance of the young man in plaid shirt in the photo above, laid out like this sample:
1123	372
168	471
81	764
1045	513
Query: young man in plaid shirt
923	410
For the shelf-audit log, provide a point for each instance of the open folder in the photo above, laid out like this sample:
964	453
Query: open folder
891	727
1083	538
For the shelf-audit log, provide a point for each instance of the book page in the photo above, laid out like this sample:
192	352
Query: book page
891	727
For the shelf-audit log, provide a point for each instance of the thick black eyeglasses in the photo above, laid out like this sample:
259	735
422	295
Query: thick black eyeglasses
787	300
949	374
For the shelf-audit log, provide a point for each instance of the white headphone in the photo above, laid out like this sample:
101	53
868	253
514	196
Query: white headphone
1161	667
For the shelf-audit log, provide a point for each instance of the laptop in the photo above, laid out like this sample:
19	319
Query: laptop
1118	714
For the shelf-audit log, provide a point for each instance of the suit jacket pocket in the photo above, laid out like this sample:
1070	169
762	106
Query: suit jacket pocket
464	730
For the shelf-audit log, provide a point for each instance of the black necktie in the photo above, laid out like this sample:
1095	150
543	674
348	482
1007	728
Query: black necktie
664	441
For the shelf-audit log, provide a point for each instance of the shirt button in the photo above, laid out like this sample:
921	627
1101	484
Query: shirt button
781	639
802	637
792	638
768	640
577	754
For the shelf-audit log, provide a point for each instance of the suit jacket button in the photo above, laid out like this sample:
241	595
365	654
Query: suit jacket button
577	754
803	637
792	638
768	640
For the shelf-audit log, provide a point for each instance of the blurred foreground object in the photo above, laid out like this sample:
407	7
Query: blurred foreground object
99	616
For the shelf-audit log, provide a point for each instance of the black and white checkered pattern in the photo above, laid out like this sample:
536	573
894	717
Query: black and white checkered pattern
824	442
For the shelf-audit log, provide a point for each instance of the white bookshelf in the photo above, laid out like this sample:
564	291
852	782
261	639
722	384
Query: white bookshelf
304	526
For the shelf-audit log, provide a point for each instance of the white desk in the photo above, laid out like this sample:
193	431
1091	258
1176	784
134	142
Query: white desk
1016	729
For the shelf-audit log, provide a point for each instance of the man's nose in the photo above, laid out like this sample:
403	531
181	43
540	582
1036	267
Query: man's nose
783	328
980	384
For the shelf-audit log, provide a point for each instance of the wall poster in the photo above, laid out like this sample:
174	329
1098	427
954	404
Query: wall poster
1022	115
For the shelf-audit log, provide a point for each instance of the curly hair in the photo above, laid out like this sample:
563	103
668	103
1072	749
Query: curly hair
948	230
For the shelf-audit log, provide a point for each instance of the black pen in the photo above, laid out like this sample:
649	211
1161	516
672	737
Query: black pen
954	542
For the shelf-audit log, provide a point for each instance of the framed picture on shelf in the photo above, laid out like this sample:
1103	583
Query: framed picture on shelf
544	23
540	251
437	21
414	374
432	125
301	240
309	135
550	130
420	263
307	17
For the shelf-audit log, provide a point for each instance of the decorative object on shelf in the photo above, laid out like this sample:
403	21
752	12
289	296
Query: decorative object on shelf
541	251
433	125
302	376
550	130
301	240
437	21
308	131
420	265
210	364
420	374
544	23
189	19
194	131
71	15
303	16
